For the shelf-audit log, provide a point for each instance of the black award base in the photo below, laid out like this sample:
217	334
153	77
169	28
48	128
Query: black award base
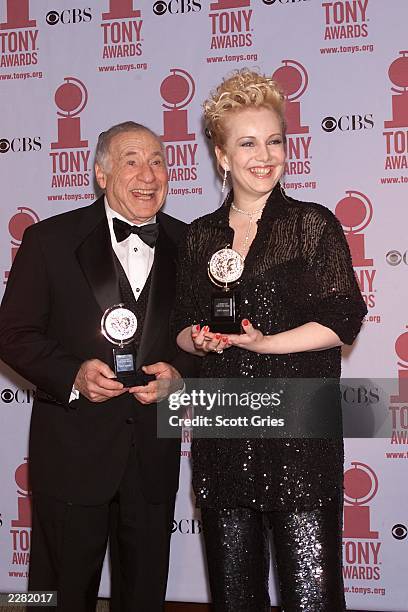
124	360
225	315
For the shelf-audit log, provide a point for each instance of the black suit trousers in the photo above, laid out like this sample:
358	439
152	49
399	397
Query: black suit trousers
69	543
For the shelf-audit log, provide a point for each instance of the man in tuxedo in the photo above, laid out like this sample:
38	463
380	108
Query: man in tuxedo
94	451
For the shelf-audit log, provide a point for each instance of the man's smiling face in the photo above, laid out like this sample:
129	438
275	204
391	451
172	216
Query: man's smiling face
135	176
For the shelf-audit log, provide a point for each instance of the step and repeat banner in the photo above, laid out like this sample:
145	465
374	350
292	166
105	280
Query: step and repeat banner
72	68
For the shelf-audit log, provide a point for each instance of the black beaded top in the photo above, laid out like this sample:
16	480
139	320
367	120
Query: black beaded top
298	269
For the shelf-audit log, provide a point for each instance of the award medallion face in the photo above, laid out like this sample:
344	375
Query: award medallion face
119	325
226	266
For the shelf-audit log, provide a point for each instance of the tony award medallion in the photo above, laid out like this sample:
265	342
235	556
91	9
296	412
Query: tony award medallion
224	270
119	325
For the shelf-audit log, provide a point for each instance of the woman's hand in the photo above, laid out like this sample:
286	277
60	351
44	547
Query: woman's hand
207	342
252	339
307	337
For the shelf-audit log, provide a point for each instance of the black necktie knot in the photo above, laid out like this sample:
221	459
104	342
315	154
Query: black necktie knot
148	233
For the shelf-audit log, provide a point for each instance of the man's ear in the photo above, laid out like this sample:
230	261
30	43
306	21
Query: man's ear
100	176
221	158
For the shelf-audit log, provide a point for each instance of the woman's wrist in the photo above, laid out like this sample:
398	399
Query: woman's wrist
307	337
266	345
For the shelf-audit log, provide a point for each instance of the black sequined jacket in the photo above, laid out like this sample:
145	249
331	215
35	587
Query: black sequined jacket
297	270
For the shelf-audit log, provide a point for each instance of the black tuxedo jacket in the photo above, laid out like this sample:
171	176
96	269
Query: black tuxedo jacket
64	277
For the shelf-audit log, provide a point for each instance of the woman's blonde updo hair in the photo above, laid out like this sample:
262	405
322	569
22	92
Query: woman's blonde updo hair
245	88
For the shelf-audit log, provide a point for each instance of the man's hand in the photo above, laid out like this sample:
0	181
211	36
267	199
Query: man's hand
168	380
94	381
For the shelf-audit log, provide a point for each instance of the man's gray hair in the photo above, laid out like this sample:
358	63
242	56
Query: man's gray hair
105	139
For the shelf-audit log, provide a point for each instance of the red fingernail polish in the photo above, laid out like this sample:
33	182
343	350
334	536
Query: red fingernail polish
224	338
206	328
198	328
245	322
218	336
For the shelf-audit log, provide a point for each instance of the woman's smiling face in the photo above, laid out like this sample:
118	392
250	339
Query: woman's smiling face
253	152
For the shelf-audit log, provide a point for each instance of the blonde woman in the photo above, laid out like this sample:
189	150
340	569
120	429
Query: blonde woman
299	303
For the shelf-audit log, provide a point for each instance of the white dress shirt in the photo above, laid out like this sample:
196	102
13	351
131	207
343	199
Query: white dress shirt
135	255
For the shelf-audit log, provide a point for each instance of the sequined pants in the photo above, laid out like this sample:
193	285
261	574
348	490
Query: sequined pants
308	557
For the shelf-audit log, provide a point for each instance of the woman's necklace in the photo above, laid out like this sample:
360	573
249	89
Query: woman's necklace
250	216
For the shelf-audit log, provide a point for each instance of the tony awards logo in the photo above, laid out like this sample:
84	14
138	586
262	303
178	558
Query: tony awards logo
222	5
23	501
398	73
18	35
293	79
21	526
346	19
399	407
360	486
17	226
231	24
18	15
121	9
396	139
71	98
361	557
122	30
355	212
401	349
69	153
177	90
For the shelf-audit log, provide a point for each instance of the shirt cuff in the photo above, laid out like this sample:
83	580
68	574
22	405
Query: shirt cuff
74	395
176	394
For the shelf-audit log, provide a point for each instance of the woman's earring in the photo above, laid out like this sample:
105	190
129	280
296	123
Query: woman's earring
224	181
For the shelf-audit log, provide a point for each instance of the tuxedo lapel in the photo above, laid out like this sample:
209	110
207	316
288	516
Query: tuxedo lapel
96	258
160	296
97	261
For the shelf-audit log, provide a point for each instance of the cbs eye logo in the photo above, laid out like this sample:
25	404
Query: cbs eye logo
348	123
69	16
19	396
399	531
159	8
175	7
7	396
329	124
394	258
19	145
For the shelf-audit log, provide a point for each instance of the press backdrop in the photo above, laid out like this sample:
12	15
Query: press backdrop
70	69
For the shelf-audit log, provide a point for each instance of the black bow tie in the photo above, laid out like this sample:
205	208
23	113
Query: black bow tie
147	233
